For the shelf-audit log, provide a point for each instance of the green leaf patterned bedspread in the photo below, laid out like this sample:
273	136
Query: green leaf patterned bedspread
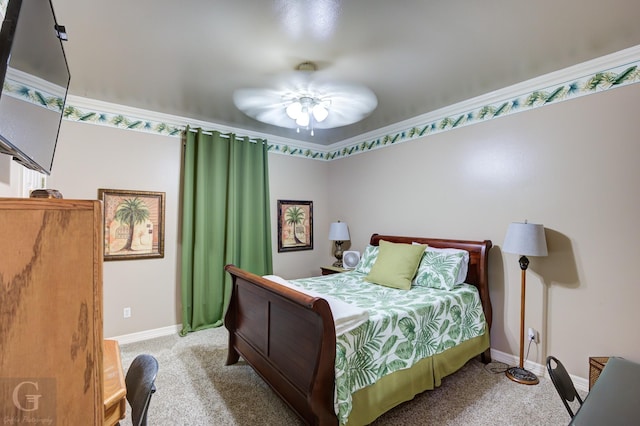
404	327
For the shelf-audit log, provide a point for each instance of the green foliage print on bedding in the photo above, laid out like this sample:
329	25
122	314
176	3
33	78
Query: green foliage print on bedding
368	259
403	328
439	270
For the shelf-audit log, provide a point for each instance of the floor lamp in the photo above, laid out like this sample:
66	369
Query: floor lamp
525	239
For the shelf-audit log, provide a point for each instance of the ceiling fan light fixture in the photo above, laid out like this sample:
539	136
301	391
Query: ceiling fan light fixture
307	100
302	109
303	119
320	113
294	109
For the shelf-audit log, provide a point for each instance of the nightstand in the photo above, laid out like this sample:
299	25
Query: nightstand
328	270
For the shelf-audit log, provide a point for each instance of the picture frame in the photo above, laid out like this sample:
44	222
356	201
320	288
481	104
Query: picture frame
295	225
133	224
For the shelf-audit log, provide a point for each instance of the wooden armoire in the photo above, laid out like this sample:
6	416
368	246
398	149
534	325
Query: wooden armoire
51	336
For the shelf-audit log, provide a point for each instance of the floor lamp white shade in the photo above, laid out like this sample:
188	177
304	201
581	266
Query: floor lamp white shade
525	239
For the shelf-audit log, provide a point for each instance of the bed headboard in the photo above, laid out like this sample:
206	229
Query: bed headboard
477	275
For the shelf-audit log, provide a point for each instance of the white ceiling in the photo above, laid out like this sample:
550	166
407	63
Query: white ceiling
186	58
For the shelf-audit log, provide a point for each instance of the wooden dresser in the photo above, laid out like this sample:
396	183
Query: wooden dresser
115	388
51	343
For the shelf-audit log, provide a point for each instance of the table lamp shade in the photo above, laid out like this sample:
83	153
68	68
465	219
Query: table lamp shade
338	232
526	239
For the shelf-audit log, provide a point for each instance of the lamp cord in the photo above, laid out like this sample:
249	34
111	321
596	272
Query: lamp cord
500	367
528	348
496	367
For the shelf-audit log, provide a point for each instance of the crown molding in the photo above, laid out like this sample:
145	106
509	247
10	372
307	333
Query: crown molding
600	74
93	111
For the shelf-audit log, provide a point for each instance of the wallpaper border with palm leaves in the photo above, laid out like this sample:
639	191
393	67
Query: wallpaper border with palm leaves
597	82
589	84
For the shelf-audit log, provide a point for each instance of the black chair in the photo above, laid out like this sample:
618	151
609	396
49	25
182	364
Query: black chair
563	383
140	385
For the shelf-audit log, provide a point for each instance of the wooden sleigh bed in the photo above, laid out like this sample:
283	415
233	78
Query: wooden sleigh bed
289	339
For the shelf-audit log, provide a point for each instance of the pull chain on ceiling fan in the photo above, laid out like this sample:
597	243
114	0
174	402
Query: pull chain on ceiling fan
305	101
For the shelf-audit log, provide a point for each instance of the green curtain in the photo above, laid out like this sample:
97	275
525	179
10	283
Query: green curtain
225	219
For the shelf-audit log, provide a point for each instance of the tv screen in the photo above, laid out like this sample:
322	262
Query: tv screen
35	78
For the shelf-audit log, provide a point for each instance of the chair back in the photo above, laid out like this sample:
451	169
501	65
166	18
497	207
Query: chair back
140	383
563	383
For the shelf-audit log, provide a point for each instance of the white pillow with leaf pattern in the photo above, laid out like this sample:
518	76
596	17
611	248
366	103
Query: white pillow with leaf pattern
441	269
368	259
464	266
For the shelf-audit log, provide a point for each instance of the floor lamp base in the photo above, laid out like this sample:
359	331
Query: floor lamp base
523	376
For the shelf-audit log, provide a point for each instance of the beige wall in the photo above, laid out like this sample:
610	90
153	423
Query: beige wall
572	167
89	157
292	178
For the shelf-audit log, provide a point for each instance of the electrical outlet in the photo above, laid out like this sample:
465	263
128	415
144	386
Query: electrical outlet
126	313
533	335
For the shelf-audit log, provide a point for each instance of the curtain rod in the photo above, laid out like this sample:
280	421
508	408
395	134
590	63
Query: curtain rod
224	135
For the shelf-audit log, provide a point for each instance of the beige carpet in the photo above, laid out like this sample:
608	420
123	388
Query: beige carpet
196	388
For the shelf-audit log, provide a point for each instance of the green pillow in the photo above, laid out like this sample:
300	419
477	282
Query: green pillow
396	264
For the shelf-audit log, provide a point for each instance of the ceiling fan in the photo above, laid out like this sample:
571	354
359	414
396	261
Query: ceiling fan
304	101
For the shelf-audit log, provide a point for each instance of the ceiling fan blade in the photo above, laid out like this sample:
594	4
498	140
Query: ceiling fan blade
256	98
264	105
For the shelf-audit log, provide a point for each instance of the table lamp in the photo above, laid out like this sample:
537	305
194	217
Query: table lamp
338	232
525	239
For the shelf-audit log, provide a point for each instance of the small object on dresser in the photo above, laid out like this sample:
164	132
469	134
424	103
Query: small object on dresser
596	364
45	193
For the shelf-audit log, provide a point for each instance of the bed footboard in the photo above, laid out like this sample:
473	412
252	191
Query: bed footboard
288	338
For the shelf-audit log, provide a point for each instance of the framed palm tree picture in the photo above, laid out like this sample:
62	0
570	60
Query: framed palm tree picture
295	225
133	224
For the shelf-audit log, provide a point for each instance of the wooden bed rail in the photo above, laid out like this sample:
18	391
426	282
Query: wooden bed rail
288	338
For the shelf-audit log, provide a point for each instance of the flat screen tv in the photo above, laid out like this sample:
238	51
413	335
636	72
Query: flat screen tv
35	77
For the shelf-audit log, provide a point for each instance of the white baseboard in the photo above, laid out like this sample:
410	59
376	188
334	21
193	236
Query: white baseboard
147	334
580	383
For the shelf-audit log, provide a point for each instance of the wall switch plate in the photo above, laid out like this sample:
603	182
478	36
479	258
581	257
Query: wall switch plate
126	313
